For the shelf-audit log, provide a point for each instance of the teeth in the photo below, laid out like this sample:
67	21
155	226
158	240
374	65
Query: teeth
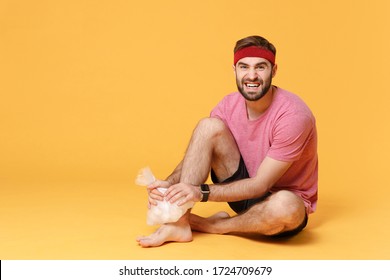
252	85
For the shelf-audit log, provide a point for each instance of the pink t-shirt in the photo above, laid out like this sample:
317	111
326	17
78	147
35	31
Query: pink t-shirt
285	132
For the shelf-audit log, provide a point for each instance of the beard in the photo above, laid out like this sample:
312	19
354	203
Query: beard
254	96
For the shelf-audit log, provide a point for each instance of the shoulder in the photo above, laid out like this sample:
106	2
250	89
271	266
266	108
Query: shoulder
230	108
291	116
291	105
230	102
232	98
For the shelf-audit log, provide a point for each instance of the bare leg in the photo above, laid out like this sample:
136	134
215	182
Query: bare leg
282	211
211	145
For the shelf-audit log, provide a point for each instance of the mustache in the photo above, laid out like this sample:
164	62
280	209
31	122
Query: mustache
257	80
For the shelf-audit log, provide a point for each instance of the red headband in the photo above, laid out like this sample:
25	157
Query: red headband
254	51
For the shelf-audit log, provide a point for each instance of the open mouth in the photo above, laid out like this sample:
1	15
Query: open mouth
252	85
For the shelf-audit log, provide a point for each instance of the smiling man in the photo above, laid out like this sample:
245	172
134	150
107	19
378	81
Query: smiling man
260	145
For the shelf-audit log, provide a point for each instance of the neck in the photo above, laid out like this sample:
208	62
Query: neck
256	109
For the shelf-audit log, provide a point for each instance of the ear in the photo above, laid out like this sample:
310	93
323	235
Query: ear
274	70
234	69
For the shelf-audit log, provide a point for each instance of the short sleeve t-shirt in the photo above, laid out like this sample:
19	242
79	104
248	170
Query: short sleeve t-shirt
286	132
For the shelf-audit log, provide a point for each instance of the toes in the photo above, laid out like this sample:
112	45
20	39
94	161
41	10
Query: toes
139	238
144	241
148	242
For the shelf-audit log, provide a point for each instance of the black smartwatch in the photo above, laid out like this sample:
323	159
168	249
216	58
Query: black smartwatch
205	191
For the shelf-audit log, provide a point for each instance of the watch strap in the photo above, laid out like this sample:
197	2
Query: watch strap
205	190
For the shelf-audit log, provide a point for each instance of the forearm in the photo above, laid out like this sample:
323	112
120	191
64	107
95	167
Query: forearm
238	190
174	178
269	172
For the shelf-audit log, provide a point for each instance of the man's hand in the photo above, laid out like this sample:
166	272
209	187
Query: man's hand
183	193
153	192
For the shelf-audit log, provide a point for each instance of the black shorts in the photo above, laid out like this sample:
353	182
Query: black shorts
243	205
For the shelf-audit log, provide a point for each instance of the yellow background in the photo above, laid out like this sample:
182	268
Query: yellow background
92	91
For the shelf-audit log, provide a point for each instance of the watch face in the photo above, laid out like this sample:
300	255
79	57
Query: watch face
204	188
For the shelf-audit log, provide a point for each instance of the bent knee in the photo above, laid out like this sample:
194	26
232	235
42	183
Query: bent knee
211	126
288	207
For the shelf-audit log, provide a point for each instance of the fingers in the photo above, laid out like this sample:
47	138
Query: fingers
159	184
153	185
154	196
173	197
182	193
151	202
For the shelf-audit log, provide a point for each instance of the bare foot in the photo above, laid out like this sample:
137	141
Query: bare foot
179	232
210	224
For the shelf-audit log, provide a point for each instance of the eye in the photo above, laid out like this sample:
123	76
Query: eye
243	67
261	67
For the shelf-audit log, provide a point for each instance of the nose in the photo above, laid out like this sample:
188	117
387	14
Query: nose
252	74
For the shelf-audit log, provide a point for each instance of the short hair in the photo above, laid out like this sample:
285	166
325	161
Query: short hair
255	41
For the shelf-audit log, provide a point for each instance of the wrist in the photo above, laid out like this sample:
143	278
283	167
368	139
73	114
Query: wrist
170	181
205	192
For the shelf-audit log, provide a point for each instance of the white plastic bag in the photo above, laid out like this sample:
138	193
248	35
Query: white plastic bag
164	212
